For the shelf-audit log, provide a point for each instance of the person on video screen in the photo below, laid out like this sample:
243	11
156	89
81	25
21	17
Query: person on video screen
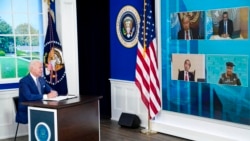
186	74
225	26
229	77
187	32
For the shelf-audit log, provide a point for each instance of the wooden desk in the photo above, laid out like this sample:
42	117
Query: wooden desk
76	119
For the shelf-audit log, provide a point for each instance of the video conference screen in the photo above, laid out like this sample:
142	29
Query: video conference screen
205	59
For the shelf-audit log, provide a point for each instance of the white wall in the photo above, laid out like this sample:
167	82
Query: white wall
67	31
7	116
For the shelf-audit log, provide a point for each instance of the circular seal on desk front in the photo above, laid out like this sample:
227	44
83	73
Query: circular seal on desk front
42	132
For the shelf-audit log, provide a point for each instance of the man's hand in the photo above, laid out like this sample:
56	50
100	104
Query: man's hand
224	35
52	94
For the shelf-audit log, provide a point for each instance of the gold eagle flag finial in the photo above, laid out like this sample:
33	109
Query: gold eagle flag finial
47	1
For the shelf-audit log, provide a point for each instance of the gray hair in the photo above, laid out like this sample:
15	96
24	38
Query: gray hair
33	63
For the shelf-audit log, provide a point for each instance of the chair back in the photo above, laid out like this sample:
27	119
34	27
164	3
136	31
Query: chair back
15	99
194	74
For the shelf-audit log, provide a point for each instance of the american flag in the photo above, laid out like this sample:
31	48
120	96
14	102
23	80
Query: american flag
146	75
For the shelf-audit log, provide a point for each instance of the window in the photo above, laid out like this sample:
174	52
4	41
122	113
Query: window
21	37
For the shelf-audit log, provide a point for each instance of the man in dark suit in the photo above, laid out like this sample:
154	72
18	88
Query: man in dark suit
186	31
32	87
226	26
185	74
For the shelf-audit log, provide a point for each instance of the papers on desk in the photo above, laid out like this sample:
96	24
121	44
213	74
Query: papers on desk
217	37
61	97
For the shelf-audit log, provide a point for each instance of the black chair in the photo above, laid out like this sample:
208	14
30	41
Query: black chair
15	99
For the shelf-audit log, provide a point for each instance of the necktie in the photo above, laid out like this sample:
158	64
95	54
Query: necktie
225	27
187	37
186	76
38	84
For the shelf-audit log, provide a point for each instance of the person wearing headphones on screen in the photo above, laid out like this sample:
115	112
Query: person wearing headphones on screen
229	77
185	74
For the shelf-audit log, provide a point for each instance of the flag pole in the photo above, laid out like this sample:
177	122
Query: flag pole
147	130
144	25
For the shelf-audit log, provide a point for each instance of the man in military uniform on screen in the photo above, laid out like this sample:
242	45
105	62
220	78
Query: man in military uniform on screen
229	77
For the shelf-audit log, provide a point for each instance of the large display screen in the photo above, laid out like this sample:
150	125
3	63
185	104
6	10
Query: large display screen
205	59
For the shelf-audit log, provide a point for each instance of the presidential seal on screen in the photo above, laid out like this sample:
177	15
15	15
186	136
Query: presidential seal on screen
42	132
127	26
